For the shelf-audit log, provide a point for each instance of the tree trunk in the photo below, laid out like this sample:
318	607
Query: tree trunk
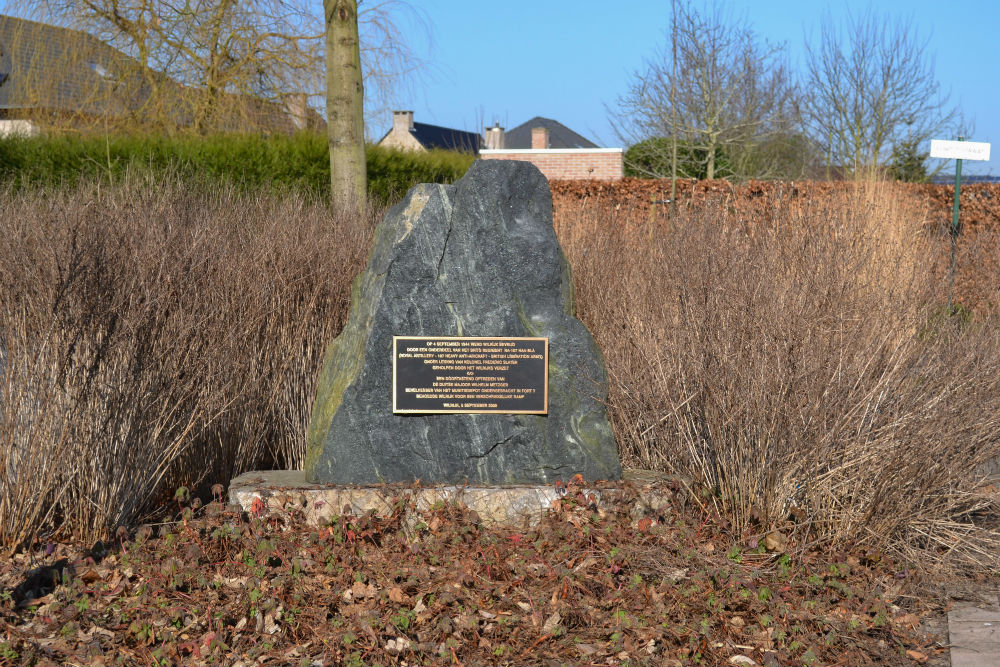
344	104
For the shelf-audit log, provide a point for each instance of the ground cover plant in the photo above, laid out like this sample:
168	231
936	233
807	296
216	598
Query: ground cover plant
641	583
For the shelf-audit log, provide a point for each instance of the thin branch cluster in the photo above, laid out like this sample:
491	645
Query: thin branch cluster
217	66
716	102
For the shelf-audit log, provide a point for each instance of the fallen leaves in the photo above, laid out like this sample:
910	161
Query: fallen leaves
775	541
582	586
551	623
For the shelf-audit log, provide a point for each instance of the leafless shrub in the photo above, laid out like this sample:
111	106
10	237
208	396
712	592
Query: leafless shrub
800	363
157	334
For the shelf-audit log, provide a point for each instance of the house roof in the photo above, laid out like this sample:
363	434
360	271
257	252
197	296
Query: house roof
435	136
53	69
560	136
59	69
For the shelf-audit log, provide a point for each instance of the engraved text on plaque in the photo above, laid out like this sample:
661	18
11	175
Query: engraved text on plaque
462	374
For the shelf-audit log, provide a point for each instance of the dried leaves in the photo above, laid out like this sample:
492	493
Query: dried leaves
644	202
583	586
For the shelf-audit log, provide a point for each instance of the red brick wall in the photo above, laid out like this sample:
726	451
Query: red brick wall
567	164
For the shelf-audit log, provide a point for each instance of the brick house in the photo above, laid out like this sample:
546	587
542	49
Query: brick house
51	72
55	76
559	152
408	135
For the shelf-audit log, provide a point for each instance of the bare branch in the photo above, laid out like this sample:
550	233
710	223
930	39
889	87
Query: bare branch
238	63
728	99
872	86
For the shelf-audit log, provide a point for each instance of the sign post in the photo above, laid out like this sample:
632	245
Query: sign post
958	151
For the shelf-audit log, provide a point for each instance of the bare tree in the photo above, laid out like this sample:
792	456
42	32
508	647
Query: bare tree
202	64
872	86
715	91
392	32
345	103
367	63
240	63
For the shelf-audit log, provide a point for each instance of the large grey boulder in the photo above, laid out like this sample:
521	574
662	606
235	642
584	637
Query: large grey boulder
477	258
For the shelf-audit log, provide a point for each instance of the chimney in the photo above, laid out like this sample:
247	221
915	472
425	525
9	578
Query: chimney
494	137
297	107
539	137
402	121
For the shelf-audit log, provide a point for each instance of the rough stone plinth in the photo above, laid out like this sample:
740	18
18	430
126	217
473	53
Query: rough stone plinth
518	506
282	490
477	258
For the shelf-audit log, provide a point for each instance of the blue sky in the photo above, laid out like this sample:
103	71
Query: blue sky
570	60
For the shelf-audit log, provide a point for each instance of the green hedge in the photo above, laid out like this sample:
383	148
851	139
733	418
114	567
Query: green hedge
651	159
391	172
299	162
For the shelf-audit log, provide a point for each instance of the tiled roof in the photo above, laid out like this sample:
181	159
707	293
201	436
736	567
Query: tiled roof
560	136
49	68
58	69
435	136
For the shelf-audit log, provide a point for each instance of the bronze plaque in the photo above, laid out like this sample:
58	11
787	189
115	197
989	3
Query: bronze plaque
470	375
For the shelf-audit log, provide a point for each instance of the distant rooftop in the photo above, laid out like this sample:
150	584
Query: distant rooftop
435	136
53	72
57	69
560	136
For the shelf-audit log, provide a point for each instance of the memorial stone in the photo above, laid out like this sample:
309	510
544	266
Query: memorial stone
479	259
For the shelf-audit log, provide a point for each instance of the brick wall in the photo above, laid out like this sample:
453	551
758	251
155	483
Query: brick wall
560	164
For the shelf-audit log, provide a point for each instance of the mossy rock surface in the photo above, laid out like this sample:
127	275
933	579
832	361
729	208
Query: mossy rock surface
477	258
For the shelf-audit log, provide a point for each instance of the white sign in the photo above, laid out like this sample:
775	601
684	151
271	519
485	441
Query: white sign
960	150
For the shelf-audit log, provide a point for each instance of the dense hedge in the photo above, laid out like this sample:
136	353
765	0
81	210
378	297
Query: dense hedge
299	162
391	172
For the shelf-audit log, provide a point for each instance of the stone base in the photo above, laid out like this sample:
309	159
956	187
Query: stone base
503	505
